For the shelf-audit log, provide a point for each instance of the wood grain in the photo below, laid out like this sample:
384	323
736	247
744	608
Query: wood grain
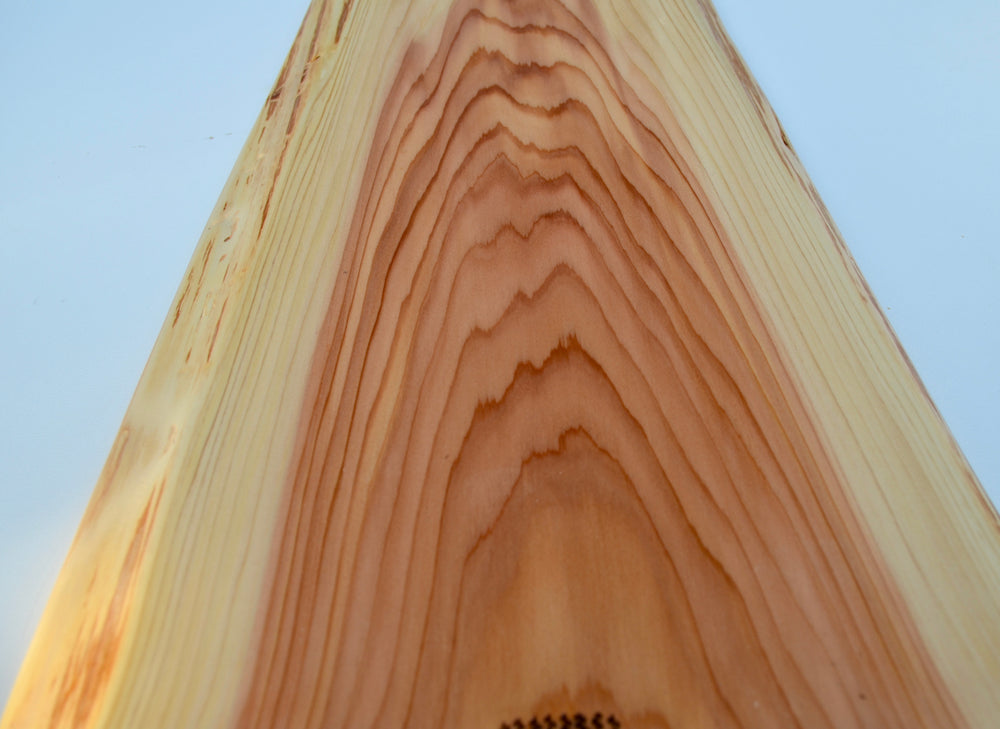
521	375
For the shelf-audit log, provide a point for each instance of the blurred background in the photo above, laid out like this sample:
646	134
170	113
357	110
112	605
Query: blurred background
119	124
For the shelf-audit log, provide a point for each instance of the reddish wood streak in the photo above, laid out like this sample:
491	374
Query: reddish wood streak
93	657
344	11
215	333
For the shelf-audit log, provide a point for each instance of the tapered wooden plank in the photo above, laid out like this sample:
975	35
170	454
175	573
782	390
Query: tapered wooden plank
520	374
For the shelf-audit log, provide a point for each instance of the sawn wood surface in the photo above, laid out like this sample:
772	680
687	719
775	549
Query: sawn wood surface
520	375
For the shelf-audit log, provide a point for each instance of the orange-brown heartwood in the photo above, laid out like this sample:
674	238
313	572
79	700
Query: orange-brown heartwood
521	376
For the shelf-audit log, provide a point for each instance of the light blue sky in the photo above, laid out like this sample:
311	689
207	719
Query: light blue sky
121	122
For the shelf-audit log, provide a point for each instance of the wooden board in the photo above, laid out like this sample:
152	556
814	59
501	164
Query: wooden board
520	374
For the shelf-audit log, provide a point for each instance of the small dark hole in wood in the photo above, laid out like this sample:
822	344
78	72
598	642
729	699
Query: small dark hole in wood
577	721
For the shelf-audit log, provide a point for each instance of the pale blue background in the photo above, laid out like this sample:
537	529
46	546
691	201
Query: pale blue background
119	123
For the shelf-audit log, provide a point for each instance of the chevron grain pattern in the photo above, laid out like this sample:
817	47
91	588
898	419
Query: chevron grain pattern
486	402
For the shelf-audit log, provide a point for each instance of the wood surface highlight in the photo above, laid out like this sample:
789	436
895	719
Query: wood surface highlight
520	375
